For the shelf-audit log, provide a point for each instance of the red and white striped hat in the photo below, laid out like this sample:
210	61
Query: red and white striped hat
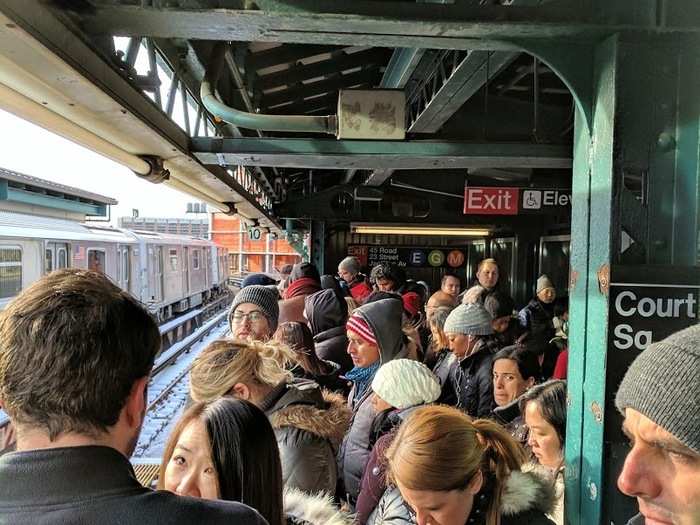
359	326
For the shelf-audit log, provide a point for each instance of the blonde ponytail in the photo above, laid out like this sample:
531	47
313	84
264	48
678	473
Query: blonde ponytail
226	362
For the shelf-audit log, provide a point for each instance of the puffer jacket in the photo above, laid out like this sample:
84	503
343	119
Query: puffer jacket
302	508
327	317
309	424
537	318
444	369
526	499
473	382
384	318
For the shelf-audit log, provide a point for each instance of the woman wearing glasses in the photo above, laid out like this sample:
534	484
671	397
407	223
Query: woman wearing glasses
309	423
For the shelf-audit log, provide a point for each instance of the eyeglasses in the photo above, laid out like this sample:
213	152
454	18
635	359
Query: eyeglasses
253	317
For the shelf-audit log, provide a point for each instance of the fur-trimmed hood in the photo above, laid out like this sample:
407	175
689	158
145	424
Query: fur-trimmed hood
527	491
302	508
318	411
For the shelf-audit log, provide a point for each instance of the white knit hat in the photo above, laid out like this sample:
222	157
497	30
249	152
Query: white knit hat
405	383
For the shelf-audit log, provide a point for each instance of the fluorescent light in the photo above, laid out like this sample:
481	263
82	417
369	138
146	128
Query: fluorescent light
421	230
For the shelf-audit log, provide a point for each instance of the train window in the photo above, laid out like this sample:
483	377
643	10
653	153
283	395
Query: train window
172	256
62	261
10	271
554	260
48	261
195	259
504	251
125	265
96	260
476	251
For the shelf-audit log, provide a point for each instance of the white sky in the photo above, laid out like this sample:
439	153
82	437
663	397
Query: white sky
31	150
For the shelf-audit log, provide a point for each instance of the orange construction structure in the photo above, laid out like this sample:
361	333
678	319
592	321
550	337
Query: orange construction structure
245	254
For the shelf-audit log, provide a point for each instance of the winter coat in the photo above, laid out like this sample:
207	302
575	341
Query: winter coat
327	318
511	419
302	508
473	382
636	520
444	370
95	484
555	477
330	381
309	424
526	499
384	318
536	318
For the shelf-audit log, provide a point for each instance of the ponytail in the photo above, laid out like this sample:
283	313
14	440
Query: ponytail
502	455
226	362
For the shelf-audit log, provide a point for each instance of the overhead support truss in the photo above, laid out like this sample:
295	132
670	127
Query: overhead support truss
359	154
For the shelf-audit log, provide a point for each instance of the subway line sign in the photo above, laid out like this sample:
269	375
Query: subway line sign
484	200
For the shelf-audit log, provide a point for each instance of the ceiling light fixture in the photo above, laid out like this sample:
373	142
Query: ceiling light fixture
433	230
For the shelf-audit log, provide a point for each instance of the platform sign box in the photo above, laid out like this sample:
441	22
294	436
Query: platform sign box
409	256
646	304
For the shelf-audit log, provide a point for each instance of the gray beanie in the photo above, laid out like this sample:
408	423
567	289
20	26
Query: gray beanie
350	264
662	383
543	283
469	319
263	297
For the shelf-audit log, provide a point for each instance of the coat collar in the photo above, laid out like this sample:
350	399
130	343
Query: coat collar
57	475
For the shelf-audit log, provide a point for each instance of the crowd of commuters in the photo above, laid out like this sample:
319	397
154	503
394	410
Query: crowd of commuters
335	400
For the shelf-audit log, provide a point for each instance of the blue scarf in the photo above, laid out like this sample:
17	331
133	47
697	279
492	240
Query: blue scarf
362	378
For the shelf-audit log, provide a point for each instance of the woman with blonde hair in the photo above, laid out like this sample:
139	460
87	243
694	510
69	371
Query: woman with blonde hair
309	423
447	469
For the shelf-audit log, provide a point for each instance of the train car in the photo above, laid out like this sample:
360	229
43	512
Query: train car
169	273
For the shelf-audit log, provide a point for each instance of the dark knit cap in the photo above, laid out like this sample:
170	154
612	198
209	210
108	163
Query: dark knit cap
257	278
263	297
499	304
662	384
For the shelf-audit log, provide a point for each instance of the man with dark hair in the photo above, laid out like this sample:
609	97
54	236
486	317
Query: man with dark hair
75	357
451	285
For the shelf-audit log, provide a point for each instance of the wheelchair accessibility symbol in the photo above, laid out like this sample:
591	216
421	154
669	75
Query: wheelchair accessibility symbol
532	200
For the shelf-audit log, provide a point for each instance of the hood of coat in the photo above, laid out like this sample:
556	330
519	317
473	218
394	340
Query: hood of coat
525	491
384	318
324	311
302	508
307	406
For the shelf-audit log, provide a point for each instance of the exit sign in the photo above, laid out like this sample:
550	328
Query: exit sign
490	201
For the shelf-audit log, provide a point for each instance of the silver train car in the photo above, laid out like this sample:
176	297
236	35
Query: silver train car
168	273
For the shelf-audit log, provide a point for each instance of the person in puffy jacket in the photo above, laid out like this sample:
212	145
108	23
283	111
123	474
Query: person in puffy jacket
467	327
226	450
537	320
309	422
399	387
439	473
327	316
375	337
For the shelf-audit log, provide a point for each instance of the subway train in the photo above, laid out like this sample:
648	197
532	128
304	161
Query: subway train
168	273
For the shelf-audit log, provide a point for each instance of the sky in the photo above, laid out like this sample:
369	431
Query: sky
31	150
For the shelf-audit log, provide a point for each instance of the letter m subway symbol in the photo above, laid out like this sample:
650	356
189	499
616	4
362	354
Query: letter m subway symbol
479	200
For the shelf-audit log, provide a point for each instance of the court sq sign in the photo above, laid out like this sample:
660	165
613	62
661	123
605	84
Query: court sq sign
481	200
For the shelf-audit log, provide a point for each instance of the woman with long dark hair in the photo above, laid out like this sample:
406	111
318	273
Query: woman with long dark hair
227	450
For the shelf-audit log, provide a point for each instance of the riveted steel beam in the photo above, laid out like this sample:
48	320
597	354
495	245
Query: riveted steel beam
347	154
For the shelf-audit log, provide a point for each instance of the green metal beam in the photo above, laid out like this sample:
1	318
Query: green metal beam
401	66
362	154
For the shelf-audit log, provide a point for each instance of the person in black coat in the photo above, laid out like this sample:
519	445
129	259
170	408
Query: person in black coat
536	319
466	328
327	314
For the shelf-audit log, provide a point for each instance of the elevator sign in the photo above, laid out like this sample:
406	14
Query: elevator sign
479	200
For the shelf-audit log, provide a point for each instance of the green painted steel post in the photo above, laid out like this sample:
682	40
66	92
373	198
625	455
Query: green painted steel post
318	245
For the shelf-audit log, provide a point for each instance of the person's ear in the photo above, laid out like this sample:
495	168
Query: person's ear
136	403
476	483
240	391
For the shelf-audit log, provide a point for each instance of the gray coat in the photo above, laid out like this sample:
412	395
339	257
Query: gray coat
525	500
384	318
97	485
309	424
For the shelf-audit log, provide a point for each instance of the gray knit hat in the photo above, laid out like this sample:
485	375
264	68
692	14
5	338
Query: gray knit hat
263	297
469	319
662	383
350	264
543	282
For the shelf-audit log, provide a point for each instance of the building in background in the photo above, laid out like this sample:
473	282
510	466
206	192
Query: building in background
175	226
246	253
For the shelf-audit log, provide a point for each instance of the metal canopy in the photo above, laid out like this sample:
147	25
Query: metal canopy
399	155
